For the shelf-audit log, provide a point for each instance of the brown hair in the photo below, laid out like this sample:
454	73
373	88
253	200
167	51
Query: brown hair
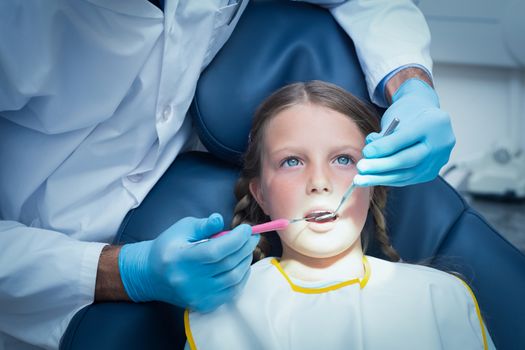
319	93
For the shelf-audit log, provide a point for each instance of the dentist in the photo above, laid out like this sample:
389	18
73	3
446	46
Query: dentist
94	97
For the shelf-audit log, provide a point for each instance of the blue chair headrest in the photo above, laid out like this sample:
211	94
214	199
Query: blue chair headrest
230	89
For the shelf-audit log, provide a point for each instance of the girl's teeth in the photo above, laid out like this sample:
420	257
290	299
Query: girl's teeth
312	216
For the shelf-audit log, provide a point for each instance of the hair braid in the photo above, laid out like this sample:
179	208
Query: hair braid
248	211
377	206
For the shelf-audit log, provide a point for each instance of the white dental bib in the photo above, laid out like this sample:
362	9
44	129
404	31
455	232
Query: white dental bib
394	306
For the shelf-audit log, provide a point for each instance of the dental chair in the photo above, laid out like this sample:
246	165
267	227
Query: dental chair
276	43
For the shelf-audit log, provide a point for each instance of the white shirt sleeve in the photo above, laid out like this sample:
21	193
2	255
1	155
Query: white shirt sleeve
387	34
37	300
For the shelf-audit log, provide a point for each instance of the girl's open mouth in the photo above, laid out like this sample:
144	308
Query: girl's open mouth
321	216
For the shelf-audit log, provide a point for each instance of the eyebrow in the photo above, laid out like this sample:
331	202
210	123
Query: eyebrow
293	149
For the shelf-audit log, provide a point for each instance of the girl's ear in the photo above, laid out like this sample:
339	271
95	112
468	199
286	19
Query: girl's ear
256	191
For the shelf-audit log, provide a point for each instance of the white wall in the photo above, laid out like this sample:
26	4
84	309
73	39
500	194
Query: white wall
486	104
479	70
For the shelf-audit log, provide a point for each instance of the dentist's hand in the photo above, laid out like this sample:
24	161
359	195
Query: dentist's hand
418	148
201	276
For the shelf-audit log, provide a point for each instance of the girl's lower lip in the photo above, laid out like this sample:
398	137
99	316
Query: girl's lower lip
321	227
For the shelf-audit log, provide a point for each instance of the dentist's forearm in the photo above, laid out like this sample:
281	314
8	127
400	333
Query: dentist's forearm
109	285
400	77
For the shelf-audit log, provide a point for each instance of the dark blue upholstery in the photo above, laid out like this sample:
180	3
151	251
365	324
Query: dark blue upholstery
276	43
281	43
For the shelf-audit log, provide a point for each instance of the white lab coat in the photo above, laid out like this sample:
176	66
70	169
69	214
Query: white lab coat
93	102
393	306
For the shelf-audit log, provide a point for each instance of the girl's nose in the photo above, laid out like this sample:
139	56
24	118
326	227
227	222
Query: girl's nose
319	182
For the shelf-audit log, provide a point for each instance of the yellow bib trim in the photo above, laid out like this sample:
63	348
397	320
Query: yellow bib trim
478	312
187	330
362	281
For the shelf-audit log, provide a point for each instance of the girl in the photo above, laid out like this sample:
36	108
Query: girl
323	292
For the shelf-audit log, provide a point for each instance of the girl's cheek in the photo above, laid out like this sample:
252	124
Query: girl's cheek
283	185
362	202
345	175
283	200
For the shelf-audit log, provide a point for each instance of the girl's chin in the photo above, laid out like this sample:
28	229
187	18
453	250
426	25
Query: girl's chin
321	251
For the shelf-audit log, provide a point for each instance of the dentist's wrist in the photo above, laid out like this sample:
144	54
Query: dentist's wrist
403	75
109	285
134	272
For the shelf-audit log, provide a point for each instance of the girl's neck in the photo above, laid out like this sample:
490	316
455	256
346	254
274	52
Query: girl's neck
342	267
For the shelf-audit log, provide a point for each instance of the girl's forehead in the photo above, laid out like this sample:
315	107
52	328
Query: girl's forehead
310	120
311	113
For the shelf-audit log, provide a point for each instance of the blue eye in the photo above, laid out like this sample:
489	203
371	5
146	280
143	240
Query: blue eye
290	162
344	160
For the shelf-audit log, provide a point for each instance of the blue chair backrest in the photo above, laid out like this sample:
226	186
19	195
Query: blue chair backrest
276	43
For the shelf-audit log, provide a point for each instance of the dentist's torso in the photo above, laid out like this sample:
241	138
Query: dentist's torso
96	105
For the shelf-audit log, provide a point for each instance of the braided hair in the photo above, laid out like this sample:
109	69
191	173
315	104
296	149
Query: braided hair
323	94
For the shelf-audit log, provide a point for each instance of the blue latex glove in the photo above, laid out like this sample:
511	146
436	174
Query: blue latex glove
418	148
200	276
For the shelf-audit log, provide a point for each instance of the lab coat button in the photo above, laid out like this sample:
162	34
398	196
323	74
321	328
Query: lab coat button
166	113
135	177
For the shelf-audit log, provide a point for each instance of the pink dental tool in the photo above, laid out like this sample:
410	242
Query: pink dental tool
273	225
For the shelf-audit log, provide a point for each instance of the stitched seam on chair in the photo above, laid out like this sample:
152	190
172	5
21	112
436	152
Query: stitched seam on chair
480	217
223	151
208	136
466	207
446	236
470	211
123	226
